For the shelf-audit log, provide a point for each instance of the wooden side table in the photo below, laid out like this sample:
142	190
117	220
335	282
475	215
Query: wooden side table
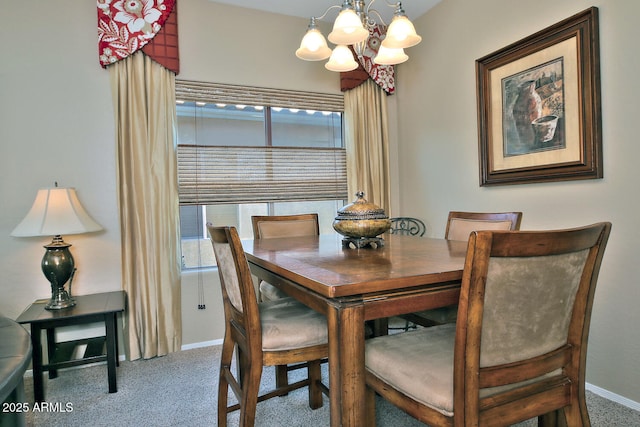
102	307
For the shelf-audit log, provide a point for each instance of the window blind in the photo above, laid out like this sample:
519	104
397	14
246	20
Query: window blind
231	174
187	90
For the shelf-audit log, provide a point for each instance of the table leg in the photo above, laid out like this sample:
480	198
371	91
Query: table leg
115	328
51	351
36	361
112	345
346	364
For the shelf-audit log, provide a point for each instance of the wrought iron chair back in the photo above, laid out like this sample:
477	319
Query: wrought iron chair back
407	226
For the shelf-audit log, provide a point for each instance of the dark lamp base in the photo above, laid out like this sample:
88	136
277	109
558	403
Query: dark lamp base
58	267
60	300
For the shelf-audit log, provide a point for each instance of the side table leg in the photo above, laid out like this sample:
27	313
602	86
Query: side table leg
115	328
112	356
36	361
51	351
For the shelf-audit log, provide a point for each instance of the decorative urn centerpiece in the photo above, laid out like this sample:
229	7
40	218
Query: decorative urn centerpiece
361	223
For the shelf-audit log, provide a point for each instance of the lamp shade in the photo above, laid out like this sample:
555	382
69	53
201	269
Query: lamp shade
348	29
56	211
313	46
401	33
388	56
341	60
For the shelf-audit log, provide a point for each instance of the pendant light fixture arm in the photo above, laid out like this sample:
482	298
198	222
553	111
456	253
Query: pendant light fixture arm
314	18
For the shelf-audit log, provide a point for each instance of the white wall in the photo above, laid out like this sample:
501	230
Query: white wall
438	153
56	124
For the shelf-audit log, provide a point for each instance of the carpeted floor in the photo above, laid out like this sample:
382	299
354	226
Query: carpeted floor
180	390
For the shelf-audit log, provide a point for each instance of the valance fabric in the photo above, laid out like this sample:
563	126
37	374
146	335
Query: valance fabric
383	75
126	26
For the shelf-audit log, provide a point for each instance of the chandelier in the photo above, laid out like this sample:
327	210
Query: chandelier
352	28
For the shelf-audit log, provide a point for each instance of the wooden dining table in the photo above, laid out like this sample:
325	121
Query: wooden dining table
350	286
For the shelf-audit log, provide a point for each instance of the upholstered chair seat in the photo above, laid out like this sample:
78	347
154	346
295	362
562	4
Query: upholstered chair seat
393	359
268	292
288	324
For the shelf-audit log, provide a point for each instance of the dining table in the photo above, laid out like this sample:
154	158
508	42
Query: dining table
350	285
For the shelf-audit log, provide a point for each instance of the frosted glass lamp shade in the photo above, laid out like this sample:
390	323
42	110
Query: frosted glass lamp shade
313	46
56	211
388	56
401	34
348	29
341	60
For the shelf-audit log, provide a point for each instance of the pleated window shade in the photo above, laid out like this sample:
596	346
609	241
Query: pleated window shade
213	175
187	90
221	174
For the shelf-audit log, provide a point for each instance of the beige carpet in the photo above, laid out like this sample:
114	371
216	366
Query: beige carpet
180	390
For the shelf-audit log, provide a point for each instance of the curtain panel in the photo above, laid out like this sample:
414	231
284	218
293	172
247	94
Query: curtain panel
144	106
367	143
143	93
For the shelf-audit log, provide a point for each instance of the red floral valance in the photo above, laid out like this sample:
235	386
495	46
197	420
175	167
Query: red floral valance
126	26
383	75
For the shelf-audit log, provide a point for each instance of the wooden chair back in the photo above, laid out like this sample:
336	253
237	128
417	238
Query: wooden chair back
277	226
238	294
461	224
525	309
273	226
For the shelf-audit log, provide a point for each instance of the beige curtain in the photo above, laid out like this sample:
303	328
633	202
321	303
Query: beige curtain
367	143
144	102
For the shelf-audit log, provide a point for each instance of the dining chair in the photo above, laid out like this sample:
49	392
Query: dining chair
270	333
407	226
276	226
282	226
403	226
459	226
519	347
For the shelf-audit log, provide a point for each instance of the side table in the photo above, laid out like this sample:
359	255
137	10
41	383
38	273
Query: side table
102	307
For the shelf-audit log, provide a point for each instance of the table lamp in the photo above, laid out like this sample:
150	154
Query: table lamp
57	211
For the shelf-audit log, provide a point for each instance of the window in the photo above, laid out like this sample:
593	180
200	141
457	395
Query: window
253	151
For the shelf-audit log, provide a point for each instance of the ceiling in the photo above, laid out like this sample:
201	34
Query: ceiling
308	8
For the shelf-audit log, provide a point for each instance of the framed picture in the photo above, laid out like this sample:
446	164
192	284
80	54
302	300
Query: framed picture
539	113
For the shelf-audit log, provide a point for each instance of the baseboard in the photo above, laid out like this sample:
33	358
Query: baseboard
201	344
613	397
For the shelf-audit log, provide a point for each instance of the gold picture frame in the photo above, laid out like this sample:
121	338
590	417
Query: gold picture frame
539	113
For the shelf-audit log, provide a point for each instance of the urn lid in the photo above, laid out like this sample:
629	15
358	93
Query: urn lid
361	209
